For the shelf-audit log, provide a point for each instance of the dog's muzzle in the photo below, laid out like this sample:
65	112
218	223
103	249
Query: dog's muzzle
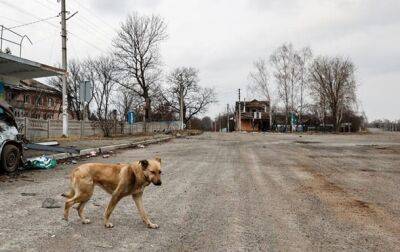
158	183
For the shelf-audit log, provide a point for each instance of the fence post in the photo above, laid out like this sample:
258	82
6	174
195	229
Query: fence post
48	128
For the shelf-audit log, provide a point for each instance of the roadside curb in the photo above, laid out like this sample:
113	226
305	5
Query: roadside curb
61	156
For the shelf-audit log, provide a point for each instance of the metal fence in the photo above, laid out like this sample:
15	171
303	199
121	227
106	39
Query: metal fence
34	129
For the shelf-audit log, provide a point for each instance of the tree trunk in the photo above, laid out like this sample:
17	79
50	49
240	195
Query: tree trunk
147	109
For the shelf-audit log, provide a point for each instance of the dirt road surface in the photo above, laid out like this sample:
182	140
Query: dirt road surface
229	192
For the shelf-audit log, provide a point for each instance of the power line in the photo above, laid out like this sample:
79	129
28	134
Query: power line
10	19
87	26
81	19
87	42
34	22
87	29
47	6
25	12
94	15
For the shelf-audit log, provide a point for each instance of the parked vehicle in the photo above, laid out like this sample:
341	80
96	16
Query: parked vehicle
11	146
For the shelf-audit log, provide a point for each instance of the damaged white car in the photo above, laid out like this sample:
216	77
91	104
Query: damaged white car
10	140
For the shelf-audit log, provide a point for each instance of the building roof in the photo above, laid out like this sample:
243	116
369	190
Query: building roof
252	104
22	69
33	85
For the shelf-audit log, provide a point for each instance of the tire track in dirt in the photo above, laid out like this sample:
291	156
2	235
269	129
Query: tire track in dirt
348	208
268	181
371	220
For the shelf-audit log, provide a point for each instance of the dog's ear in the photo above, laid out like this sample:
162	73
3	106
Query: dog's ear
158	159
144	164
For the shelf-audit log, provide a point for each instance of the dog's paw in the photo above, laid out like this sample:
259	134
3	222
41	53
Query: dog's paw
85	221
65	218
152	225
109	225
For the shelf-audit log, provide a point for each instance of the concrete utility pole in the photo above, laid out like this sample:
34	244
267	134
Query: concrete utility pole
181	106
240	115
220	126
64	66
227	117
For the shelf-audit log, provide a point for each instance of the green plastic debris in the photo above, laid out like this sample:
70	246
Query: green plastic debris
43	162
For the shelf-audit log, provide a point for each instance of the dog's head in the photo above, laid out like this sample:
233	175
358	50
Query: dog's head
152	170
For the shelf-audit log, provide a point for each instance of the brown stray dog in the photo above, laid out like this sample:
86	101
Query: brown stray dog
119	180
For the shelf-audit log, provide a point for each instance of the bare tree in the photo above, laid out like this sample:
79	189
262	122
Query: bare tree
333	84
303	59
184	86
137	52
286	76
126	100
206	124
76	75
103	73
290	72
260	84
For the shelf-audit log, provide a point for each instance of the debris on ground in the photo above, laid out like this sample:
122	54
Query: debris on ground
50	203
92	153
74	161
105	246
42	162
53	143
140	146
106	155
28	194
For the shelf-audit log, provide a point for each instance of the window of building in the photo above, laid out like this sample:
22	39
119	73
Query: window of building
27	99
39	101
10	96
50	102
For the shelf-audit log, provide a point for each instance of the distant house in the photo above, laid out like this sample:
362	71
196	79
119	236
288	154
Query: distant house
31	98
254	116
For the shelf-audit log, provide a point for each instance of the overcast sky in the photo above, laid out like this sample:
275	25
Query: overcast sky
223	37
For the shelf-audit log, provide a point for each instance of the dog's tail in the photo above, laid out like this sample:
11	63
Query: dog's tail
69	194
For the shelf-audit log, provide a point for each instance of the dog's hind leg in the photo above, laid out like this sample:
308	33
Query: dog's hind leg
68	204
85	192
80	208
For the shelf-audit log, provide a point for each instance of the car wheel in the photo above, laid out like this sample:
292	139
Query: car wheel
10	158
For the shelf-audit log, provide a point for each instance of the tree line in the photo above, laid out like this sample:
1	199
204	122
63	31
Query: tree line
297	83
131	78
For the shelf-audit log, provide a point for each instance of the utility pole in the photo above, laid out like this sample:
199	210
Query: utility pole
240	115
227	118
220	126
64	66
181	106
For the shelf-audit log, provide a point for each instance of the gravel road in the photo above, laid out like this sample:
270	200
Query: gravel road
229	192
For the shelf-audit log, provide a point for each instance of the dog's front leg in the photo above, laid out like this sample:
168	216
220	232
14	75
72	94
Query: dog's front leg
139	204
113	202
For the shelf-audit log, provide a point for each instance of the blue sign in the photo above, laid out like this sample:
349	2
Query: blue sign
131	117
2	95
294	119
